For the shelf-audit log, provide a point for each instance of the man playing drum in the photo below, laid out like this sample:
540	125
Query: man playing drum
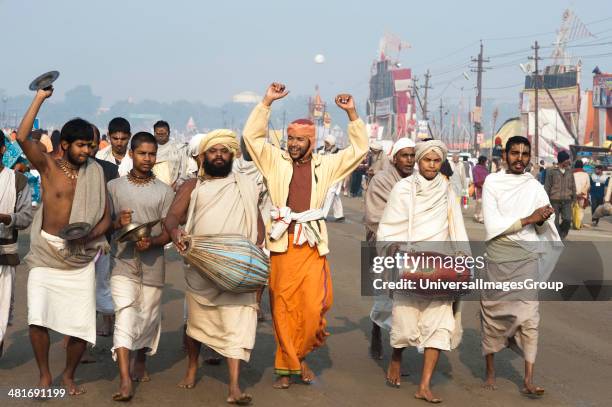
218	202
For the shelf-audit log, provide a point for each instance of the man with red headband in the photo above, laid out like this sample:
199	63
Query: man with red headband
298	180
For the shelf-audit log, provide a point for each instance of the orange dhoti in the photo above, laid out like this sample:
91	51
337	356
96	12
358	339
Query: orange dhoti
300	295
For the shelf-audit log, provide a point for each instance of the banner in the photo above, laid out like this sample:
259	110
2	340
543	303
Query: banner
422	131
602	90
566	99
383	107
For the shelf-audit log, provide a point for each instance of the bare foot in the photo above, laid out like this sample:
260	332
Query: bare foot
308	375
490	383
427	395
236	396
125	391
394	372
532	390
189	380
44	381
376	351
71	388
282	382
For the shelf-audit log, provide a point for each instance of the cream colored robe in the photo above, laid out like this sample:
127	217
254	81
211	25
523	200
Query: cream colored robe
419	210
224	321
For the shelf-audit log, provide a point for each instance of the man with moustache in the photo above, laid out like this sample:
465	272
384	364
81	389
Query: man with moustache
521	243
298	181
218	202
61	271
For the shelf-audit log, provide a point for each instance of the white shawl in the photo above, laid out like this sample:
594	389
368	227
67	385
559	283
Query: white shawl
507	198
420	210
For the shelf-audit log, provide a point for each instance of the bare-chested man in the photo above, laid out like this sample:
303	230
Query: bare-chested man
61	281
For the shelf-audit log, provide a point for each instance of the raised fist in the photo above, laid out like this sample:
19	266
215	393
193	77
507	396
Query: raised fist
345	101
44	93
274	92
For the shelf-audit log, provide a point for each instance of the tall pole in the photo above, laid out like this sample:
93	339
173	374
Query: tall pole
479	70
416	93
441	118
427	87
536	136
495	114
452	138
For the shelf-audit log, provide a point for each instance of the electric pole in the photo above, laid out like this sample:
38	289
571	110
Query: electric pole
441	118
536	85
426	87
477	117
416	93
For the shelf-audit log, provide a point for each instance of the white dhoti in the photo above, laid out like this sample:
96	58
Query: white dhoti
63	300
513	323
137	315
381	312
104	300
7	277
227	329
422	323
333	201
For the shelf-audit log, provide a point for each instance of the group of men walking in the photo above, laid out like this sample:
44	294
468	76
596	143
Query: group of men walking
408	207
278	202
145	179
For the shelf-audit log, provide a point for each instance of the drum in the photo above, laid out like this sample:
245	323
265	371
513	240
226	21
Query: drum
232	262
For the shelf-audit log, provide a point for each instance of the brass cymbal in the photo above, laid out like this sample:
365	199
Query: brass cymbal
44	81
134	232
75	231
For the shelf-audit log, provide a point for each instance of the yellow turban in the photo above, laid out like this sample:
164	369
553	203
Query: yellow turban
425	147
225	137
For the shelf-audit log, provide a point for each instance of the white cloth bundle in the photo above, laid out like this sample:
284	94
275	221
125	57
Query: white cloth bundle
304	232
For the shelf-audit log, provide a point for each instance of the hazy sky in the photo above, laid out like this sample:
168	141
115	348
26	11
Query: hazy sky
210	50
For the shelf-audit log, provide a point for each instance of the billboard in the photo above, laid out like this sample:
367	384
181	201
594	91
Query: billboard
602	90
566	98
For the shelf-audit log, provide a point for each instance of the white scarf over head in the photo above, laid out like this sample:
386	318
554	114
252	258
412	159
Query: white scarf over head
432	145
